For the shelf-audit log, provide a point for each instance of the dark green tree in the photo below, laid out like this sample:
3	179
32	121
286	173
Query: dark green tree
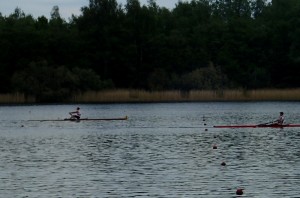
251	43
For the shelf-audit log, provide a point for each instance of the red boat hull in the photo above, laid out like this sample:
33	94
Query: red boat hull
258	126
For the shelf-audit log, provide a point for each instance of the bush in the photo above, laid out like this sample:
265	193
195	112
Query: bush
50	84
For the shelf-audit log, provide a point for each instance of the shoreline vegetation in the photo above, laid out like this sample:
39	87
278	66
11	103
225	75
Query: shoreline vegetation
136	96
197	45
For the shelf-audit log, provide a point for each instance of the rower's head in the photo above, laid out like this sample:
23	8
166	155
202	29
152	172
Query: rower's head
281	113
78	108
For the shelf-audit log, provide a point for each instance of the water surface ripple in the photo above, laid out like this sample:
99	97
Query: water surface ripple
163	150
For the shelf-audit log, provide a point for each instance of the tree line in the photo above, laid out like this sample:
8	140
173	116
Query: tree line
200	44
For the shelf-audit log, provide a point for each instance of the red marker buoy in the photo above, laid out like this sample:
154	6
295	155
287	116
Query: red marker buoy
239	191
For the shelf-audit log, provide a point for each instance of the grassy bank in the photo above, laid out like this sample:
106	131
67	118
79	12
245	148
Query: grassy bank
124	96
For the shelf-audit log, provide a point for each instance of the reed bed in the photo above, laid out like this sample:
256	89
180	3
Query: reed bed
130	96
119	96
16	98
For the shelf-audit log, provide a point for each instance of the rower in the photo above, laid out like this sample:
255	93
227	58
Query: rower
75	114
280	119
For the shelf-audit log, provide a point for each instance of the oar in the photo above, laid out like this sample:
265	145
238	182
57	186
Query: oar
266	123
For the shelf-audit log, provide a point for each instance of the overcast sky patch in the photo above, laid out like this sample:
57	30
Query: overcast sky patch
38	8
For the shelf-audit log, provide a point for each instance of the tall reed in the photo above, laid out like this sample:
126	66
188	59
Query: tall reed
193	96
16	98
129	95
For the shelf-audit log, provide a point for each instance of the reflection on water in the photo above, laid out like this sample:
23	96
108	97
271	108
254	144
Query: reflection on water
163	150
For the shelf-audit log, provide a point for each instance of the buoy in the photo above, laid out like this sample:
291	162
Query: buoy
223	164
206	130
215	147
239	191
204	124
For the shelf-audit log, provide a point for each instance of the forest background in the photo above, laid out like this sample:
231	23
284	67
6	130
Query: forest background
198	45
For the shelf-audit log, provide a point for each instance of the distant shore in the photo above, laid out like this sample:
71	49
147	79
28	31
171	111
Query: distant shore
132	96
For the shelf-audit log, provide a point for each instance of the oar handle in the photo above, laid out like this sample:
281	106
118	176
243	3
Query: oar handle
266	123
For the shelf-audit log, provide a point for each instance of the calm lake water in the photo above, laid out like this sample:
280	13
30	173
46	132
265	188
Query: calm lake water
162	150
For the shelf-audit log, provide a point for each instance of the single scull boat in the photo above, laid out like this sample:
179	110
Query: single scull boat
258	126
83	119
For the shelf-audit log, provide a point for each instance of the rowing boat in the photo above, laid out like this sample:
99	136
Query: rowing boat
258	126
83	119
